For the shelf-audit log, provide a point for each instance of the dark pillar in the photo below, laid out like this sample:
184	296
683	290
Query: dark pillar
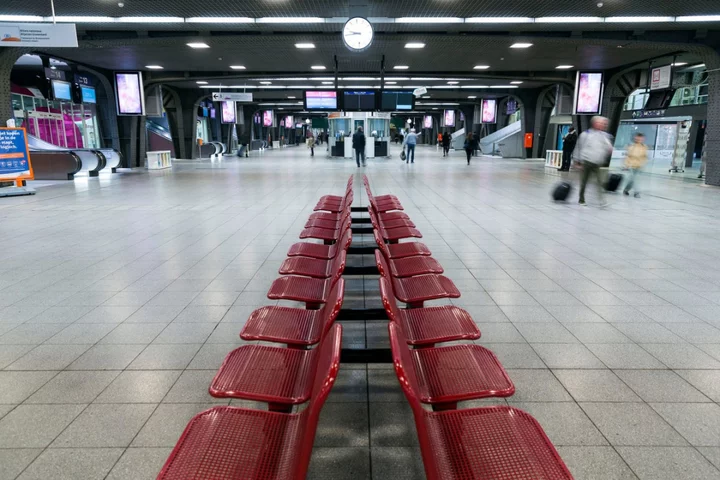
711	153
8	57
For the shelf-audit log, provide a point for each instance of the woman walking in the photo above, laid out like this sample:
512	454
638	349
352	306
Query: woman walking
470	146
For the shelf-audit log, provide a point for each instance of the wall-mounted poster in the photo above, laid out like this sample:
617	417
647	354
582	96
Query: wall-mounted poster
427	121
588	93
489	110
129	93
227	113
267	118
449	118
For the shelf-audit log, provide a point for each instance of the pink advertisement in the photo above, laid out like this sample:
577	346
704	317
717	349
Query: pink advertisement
228	112
130	96
427	122
449	118
489	109
268	118
588	91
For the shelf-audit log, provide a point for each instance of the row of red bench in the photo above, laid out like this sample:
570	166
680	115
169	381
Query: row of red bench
242	443
489	443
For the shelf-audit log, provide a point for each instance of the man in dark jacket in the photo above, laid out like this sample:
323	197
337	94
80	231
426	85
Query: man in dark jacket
569	143
446	144
359	146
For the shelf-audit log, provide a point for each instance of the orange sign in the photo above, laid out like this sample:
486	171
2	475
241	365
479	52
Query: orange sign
15	162
528	140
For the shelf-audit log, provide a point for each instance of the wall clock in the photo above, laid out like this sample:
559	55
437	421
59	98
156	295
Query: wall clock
357	34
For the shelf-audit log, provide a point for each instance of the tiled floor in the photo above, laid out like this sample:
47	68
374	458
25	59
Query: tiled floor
120	296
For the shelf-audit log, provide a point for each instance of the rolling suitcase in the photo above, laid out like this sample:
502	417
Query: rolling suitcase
613	182
561	191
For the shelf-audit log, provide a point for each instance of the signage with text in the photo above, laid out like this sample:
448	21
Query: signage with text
14	155
38	35
232	97
660	77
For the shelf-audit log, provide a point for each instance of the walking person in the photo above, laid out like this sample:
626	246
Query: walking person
311	142
569	143
446	144
635	161
594	148
471	144
358	143
411	142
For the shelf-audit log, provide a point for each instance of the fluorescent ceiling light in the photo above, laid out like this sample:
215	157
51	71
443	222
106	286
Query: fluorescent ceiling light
237	67
435	108
474	86
639	19
198	45
154	67
390	83
699	65
150	20
521	45
318	67
563	67
20	18
290	97
568	20
401	67
679	64
472	96
481	67
453	82
415	45
430	79
499	20
328	83
84	19
219	20
516	82
290	20
362	79
398	78
698	18
266	83
201	82
428	20
426	96
305	46
503	86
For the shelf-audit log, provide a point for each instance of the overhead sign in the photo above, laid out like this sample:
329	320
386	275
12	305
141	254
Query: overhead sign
232	97
14	155
648	113
660	77
38	35
420	91
51	74
82	80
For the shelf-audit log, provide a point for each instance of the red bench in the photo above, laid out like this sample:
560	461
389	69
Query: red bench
485	443
321	251
296	327
232	443
338	198
416	290
424	327
401	250
393	235
335	207
310	267
379	198
327	234
409	266
448	375
313	291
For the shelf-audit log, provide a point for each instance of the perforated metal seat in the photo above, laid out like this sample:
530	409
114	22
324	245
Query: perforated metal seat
313	291
395	251
416	290
325	234
321	251
424	327
338	198
230	443
310	267
413	266
295	327
393	234
335	207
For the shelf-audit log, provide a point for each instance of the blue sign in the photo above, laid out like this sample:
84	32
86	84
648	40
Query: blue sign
88	95
14	157
82	79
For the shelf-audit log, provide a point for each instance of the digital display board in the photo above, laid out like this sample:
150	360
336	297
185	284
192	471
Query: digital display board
396	100
61	90
227	112
511	106
449	118
427	121
489	110
289	121
267	117
88	94
129	93
358	100
321	100
588	93
212	113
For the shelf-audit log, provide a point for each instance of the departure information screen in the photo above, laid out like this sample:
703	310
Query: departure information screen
359	101
392	101
321	100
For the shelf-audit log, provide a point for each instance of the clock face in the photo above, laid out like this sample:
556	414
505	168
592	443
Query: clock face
357	34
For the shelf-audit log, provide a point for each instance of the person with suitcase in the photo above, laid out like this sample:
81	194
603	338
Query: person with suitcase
569	143
635	161
594	148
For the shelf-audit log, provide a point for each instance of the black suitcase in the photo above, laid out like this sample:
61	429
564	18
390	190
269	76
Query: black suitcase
561	191
613	182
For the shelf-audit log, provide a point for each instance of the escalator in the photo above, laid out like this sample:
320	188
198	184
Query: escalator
506	142
51	162
159	137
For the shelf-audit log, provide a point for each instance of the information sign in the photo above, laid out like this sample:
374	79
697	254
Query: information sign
14	155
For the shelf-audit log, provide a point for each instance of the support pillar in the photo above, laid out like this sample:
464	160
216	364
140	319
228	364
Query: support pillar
711	153
8	57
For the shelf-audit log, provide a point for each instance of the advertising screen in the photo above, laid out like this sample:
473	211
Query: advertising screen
588	93
289	121
488	110
212	113
129	93
321	100
392	100
449	118
427	121
88	95
358	101
267	118
61	90
227	112
511	106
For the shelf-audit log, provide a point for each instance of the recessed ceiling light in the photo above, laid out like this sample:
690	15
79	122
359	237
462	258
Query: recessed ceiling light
521	45
699	65
390	83
266	83
453	82
401	67
639	19
472	96
318	67
237	67
291	97
563	67
328	83
201	82
154	67
515	82
198	45
305	46
415	45
428	20
698	18
481	67
435	108
426	96
679	64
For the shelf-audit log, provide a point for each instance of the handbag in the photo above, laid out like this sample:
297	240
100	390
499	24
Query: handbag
403	157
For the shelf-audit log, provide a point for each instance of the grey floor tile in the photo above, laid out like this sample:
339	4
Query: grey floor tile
139	387
397	463
516	355
621	314
47	422
712	454
564	422
192	387
352	463
668	463
624	356
13	461
210	356
15	387
139	464
545	333
10	353
392	425
351	385
61	314
707	381
72	464
527	314
660	386
108	314
73	387
596	463
682	356
648	333
167	423
49	357
499	333
138	333
107	357
383	386
574	314
595	386
155	314
566	355
215	298
201	314
632	424
354	419
178	333
597	333
105	426
30	334
699	423
537	386
165	357
227	333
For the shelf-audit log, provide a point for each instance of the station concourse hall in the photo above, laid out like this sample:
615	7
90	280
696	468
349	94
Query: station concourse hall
359	240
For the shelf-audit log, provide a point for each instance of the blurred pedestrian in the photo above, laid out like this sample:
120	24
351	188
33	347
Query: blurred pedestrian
358	143
635	161
311	142
411	142
471	144
446	144
594	149
569	143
